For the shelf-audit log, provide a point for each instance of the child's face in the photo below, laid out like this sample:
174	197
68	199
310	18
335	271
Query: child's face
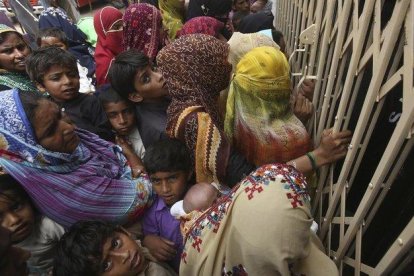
122	256
17	216
52	41
13	53
53	129
121	116
170	186
241	5
149	84
62	83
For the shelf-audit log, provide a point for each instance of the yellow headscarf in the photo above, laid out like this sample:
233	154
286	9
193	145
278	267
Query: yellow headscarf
259	119
172	12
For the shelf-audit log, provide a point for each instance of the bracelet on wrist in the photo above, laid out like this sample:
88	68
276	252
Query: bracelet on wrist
312	160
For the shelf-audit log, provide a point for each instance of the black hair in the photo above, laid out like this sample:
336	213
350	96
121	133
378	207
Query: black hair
167	155
52	32
277	36
30	102
109	95
11	190
123	70
238	16
79	251
41	60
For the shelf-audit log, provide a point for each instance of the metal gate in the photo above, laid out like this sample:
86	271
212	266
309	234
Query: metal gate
361	55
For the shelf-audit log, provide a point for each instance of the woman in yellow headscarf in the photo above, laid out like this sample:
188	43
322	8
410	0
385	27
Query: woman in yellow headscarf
259	120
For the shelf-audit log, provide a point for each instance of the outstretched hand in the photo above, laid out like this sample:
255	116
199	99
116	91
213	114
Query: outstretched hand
333	146
302	108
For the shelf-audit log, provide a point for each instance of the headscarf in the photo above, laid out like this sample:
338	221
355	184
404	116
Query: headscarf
89	184
143	29
15	79
172	12
56	17
202	25
255	22
195	69
213	8
240	44
259	119
108	45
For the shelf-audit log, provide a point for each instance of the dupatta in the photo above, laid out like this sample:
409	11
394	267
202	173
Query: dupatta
259	120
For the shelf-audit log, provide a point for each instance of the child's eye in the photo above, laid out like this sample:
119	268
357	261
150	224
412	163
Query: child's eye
73	75
146	79
106	266
155	181
172	178
7	51
21	47
115	243
16	207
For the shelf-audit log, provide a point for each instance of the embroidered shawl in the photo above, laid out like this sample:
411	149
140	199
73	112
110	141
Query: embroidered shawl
143	29
195	69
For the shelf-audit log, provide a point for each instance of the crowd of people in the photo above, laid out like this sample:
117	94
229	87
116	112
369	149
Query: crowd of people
149	142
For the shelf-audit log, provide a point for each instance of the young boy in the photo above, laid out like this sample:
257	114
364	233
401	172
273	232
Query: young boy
134	77
54	71
56	37
100	248
121	116
168	165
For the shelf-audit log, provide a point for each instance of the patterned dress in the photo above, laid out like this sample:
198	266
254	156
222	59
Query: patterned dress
261	228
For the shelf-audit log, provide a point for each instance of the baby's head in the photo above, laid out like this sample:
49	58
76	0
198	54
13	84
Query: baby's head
200	197
16	211
98	248
120	112
52	37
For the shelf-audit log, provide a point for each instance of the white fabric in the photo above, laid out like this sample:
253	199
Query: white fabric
85	83
136	142
177	210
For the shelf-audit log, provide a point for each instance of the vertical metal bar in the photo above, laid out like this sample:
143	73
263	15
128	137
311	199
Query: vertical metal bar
389	42
358	242
403	244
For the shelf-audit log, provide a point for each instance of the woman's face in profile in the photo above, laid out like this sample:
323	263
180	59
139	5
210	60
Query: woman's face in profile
53	128
13	53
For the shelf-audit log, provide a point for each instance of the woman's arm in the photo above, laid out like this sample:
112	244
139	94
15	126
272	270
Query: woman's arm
134	161
333	146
